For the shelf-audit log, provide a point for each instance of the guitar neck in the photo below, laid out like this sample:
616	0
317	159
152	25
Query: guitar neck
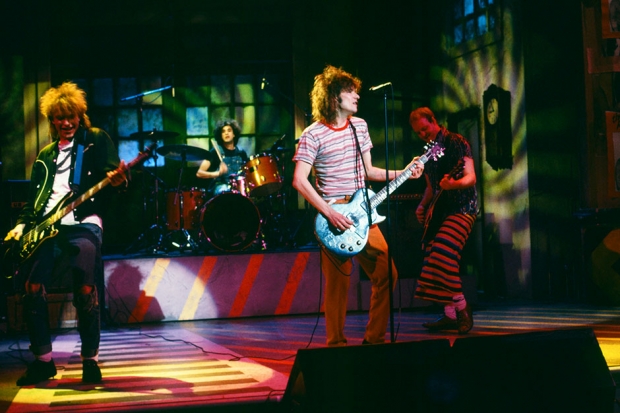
86	195
56	216
380	196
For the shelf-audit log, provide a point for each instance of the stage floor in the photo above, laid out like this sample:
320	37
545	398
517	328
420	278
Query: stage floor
244	364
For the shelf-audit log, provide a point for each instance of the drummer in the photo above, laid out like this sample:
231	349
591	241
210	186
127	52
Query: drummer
223	170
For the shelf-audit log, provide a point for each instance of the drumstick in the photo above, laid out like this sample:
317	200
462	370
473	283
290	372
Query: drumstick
217	149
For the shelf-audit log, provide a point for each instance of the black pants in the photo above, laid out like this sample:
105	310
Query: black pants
78	246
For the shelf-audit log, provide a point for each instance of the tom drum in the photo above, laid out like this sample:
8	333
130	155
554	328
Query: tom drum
262	175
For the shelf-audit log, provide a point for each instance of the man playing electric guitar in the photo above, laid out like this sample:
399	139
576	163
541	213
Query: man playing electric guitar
440	279
79	157
337	147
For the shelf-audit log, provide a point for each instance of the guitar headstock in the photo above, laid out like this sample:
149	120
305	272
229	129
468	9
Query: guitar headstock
433	150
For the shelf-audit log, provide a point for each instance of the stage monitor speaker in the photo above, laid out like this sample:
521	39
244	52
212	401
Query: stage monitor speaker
391	377
550	371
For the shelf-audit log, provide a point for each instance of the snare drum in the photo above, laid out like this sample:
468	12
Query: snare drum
262	175
238	185
230	222
183	208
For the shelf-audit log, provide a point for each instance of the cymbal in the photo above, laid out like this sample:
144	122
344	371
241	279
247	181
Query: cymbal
283	149
154	134
183	152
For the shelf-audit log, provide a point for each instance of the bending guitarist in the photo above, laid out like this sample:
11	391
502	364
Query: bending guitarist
447	231
76	146
337	146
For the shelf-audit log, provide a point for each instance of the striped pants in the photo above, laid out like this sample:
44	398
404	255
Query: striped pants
440	277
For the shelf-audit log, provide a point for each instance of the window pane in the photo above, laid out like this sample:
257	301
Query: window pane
458	10
103	119
248	144
491	22
470	29
482	25
197	121
458	35
152	119
220	90
246	116
469	7
148	85
197	92
127	87
102	92
482	4
244	92
127	122
219	114
128	150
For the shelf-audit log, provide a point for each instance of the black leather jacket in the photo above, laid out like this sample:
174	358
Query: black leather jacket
99	156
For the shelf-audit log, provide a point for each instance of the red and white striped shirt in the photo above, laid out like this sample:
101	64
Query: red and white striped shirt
333	154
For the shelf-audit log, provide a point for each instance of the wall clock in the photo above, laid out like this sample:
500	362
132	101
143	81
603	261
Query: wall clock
497	127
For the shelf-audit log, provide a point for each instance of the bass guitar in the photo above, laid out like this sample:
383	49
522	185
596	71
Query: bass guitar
351	241
45	229
431	225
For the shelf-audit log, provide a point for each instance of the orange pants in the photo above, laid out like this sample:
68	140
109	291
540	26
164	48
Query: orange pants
373	260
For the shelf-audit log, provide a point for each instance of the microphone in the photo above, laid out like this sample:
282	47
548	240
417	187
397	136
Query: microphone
380	86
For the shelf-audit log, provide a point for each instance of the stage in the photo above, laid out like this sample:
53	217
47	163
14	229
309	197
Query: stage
245	332
244	364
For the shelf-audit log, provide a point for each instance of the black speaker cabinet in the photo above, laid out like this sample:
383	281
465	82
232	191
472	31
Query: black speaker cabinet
551	371
381	377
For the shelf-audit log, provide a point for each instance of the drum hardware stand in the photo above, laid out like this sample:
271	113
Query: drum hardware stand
153	236
184	242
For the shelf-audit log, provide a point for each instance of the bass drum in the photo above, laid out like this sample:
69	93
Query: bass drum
230	222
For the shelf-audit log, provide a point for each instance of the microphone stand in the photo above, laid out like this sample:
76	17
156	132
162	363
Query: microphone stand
156	228
388	218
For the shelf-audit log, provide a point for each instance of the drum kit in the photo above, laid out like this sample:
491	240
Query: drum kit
231	220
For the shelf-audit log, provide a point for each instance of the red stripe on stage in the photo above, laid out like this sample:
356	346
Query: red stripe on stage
142	305
206	269
292	283
246	285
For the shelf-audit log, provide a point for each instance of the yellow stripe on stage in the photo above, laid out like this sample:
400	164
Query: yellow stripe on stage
198	289
148	292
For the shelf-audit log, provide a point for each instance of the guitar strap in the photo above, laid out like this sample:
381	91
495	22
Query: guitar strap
365	188
77	169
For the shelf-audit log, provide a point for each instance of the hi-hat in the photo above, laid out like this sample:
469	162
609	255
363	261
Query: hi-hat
154	134
183	152
282	149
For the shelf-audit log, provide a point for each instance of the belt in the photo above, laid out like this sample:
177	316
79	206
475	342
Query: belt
344	200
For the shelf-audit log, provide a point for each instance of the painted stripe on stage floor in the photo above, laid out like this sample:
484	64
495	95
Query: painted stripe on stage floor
193	371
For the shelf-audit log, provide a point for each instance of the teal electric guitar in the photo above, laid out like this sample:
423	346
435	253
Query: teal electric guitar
351	241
